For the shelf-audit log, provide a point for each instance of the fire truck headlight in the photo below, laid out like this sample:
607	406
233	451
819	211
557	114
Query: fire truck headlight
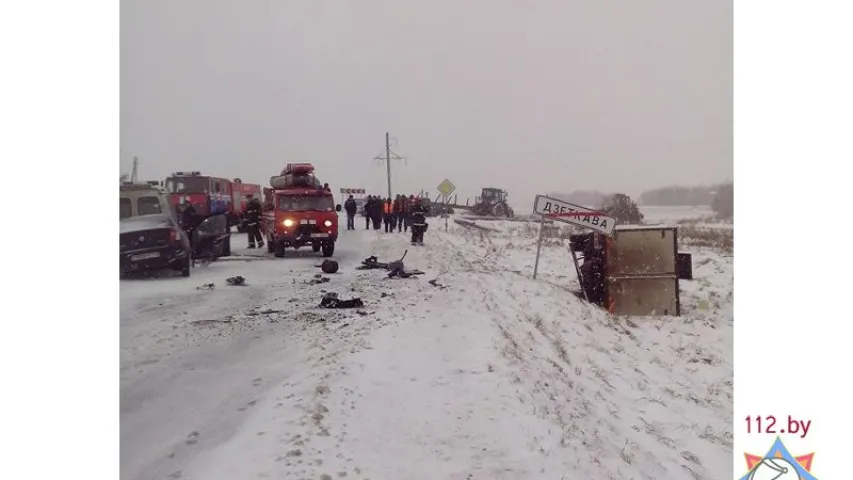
287	223
327	223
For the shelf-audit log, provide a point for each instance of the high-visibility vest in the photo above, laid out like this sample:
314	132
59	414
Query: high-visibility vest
389	207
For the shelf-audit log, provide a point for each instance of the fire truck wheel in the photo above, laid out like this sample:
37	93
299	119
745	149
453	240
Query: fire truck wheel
315	247
279	250
185	269
328	249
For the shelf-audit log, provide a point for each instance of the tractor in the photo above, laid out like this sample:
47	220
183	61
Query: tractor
492	202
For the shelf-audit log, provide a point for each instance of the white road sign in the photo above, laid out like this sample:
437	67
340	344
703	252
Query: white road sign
590	219
446	188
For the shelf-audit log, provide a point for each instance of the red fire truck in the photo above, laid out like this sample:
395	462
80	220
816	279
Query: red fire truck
211	195
298	212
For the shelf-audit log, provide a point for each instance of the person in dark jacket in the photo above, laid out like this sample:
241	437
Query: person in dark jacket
189	220
376	212
350	207
419	225
408	205
400	211
253	221
368	211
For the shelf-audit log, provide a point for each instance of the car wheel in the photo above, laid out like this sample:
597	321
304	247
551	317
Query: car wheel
328	249
279	250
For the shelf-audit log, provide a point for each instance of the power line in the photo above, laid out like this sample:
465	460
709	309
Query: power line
387	156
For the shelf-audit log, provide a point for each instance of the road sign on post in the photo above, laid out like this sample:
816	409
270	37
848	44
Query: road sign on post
565	212
446	187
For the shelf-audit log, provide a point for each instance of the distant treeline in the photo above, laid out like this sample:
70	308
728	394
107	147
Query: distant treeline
678	196
719	197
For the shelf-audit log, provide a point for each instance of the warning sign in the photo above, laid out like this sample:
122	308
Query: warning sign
446	187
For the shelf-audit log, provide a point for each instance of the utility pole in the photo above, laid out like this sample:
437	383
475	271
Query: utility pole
133	173
388	160
387	157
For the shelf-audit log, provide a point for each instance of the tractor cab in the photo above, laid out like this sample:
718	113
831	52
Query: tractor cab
492	201
492	195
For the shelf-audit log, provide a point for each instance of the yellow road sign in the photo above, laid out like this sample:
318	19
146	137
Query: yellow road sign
446	187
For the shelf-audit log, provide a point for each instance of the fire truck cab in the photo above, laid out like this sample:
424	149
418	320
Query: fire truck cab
210	195
300	214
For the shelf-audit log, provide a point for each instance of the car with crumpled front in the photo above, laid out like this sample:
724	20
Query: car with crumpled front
153	242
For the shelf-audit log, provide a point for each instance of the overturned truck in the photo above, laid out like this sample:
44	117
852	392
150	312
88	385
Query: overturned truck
635	272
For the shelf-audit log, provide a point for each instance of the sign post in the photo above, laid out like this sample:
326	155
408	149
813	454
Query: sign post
539	245
445	188
566	212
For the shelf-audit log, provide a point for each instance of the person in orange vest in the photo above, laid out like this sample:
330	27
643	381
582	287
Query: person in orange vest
388	215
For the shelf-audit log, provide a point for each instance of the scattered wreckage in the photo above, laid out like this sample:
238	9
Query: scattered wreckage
395	268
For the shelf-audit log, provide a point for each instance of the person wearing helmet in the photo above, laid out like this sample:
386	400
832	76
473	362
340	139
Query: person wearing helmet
419	225
253	221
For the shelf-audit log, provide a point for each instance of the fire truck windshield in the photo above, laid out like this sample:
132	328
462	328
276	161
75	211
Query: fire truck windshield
304	203
187	185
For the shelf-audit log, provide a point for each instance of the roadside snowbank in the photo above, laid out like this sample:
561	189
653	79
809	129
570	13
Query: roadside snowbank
496	376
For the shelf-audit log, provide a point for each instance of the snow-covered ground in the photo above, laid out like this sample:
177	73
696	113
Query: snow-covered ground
488	375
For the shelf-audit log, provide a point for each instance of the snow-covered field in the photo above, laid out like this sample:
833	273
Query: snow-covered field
488	375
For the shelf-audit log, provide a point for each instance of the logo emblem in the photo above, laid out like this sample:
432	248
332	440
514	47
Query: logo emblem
141	239
778	464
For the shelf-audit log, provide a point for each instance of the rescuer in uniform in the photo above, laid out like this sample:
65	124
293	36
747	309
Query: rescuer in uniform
376	213
253	221
400	211
189	220
419	225
351	208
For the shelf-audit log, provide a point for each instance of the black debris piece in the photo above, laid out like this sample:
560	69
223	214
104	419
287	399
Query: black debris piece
318	279
331	300
206	286
237	281
434	283
399	272
372	262
329	266
395	268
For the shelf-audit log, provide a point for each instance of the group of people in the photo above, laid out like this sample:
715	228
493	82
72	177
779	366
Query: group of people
397	214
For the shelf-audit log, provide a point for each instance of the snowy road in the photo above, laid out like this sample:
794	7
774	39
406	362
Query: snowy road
497	376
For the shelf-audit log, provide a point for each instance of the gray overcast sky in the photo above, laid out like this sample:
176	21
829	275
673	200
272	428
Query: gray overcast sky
529	95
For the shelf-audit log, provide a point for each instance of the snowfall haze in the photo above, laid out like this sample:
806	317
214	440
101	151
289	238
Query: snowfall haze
533	97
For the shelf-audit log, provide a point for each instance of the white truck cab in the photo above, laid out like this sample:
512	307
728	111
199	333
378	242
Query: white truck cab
142	199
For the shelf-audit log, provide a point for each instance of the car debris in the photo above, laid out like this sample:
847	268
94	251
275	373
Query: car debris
236	281
318	279
329	266
331	300
434	283
206	286
395	269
